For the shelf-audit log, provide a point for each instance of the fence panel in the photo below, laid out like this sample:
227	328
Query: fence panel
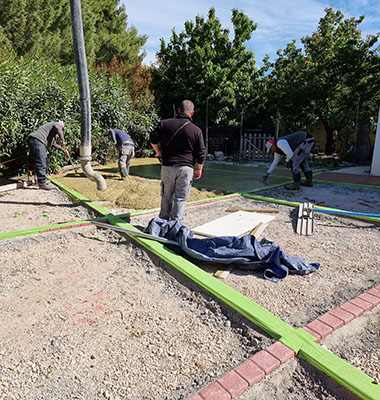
253	146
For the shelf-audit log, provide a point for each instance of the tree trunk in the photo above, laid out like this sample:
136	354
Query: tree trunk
362	152
330	140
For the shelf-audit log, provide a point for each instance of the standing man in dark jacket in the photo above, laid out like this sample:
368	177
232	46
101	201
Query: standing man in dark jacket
296	147
39	142
179	144
126	149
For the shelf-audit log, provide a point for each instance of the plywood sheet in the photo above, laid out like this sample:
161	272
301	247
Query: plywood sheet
235	224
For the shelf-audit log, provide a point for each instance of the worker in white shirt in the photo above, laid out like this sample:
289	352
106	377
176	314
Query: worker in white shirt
296	147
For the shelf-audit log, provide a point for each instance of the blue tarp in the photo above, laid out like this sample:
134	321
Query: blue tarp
245	252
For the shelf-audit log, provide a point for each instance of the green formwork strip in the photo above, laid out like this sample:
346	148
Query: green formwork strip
24	232
316	208
266	187
271	200
340	371
79	197
347	184
33	231
259	316
227	196
37	230
297	339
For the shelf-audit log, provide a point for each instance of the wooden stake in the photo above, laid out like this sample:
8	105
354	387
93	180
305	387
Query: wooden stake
223	273
17	185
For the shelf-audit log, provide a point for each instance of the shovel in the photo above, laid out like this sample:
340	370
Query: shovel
71	161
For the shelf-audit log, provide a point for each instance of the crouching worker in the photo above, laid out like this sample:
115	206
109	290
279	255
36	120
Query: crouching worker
39	142
126	149
296	147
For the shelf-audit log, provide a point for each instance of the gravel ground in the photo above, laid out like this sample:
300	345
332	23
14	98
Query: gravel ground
87	314
339	244
361	341
31	207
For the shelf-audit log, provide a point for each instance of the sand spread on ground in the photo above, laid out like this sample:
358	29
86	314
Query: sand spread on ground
132	193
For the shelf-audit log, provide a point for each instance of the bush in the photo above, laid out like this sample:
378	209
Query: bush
34	92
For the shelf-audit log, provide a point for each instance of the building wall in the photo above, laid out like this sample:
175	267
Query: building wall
318	131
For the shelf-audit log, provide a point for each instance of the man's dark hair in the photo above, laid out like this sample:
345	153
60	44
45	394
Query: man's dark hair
186	106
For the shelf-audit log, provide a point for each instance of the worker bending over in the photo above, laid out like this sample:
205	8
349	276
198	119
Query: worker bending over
126	148
39	142
296	147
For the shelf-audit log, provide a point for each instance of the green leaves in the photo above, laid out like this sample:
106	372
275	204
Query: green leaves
112	36
335	72
203	64
42	28
33	93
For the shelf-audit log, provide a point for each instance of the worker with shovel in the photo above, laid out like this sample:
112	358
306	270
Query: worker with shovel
296	147
39	142
126	149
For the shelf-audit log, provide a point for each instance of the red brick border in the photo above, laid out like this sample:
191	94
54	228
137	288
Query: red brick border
253	370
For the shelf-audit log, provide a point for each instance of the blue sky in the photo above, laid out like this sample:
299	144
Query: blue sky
279	21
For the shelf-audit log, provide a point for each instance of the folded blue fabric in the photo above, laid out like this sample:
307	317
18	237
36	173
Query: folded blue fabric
245	252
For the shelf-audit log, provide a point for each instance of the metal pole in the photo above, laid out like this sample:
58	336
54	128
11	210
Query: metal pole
375	167
241	133
207	125
277	127
81	62
84	94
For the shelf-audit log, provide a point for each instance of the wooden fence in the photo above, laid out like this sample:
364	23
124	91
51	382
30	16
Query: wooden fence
252	146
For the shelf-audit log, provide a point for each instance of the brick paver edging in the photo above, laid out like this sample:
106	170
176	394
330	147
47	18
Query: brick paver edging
253	370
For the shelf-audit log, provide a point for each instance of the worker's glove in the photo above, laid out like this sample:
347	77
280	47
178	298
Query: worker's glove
289	164
265	177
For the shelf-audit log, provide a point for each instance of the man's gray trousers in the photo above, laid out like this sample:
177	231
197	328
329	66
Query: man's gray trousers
175	189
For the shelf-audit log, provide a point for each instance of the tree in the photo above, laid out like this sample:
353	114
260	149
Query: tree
42	28
37	27
288	89
113	37
334	79
345	74
203	64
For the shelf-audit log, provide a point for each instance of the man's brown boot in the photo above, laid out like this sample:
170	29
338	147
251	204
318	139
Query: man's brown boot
309	179
296	182
293	186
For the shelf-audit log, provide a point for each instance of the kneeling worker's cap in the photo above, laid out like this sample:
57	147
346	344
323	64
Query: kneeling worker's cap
269	144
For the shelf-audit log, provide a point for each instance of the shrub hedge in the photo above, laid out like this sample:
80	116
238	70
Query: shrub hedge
34	92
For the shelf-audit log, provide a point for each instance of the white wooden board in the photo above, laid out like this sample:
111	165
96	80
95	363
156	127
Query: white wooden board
234	224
